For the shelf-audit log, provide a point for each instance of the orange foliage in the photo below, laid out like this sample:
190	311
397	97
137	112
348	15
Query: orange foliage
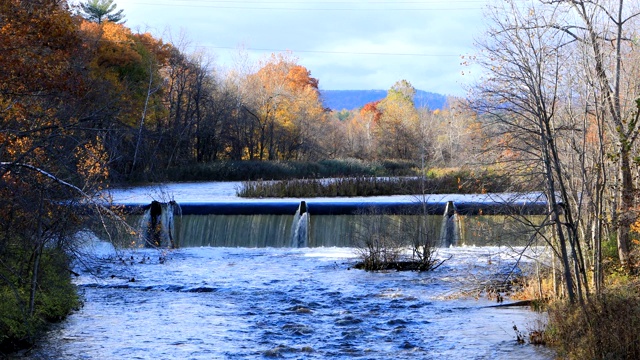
592	136
42	50
157	47
114	46
91	161
286	102
371	110
299	78
34	46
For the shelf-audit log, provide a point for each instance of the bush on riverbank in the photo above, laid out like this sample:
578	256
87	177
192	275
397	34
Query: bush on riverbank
55	299
607	327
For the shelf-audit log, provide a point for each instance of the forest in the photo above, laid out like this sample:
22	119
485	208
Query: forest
145	107
85	103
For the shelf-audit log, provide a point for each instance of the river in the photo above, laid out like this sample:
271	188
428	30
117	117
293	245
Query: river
292	303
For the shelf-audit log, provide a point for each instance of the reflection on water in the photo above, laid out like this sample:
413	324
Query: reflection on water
237	303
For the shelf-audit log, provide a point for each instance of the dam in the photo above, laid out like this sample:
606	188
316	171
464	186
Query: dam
200	217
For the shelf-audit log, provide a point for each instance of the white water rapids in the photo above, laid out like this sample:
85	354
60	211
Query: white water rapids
238	303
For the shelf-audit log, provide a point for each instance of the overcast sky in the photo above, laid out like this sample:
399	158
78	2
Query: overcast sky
347	45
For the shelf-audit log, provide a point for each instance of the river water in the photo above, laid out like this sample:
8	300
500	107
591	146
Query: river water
292	303
239	303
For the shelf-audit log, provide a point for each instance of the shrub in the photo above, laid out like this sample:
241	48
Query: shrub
607	327
376	239
55	299
398	242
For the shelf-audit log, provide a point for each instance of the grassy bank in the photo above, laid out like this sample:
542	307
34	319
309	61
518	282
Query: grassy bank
21	323
603	326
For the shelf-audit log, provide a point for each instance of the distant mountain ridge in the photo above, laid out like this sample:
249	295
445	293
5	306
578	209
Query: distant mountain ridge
355	99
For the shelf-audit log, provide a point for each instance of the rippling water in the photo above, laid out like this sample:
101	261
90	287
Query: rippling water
238	303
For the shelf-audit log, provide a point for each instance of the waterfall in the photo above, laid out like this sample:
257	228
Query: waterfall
157	224
320	230
300	227
450	230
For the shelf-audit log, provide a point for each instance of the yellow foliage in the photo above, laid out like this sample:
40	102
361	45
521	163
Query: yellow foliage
92	161
114	47
635	227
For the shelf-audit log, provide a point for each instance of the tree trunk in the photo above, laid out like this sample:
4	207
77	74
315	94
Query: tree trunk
625	215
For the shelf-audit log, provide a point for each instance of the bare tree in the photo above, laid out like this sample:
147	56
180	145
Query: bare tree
607	30
520	96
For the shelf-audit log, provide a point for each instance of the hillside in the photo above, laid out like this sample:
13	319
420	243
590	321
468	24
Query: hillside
354	99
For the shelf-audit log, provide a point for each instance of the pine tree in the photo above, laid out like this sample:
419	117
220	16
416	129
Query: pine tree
101	10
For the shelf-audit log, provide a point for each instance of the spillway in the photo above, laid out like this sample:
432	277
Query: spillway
340	222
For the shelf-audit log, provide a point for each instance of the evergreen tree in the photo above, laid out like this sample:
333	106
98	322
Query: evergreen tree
101	10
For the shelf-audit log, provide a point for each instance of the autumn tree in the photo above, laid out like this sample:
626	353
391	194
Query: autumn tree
285	106
52	157
125	68
360	132
451	136
396	128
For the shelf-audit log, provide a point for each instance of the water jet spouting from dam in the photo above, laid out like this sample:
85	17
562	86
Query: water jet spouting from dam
300	227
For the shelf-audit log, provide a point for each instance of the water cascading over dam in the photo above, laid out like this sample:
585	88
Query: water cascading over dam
311	223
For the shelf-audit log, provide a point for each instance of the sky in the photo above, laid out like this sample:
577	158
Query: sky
346	45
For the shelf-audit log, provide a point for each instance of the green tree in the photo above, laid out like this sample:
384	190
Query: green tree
397	128
101	10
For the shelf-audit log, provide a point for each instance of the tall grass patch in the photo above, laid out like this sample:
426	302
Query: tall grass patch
461	182
607	327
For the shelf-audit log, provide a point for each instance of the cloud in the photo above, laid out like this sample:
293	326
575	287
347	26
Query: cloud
346	45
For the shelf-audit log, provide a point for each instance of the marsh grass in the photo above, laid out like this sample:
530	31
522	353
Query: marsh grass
460	182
